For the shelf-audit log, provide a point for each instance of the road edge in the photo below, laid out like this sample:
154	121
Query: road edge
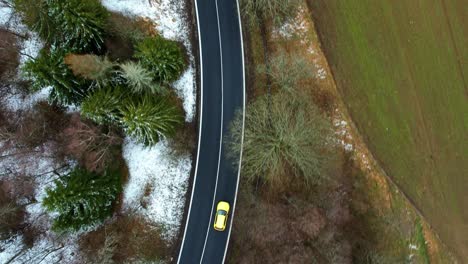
243	125
200	122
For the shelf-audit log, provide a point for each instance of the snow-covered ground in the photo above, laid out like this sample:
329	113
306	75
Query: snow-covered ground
157	183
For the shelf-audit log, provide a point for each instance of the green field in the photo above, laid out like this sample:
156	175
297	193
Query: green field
402	69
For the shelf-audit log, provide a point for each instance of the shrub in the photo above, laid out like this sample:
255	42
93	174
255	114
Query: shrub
40	124
82	198
11	213
287	71
138	78
77	25
102	105
90	67
282	138
129	28
49	69
164	58
277	10
149	118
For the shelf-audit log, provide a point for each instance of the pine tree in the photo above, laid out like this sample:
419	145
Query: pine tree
81	23
90	67
75	25
49	69
149	118
35	14
138	78
102	105
82	198
164	58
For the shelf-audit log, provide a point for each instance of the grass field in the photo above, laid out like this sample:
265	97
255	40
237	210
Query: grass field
402	69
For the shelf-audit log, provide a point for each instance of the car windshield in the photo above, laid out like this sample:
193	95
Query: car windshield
221	212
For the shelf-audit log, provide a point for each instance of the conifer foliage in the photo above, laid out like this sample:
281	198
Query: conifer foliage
82	198
77	25
138	78
35	14
149	118
81	22
49	69
164	58
102	105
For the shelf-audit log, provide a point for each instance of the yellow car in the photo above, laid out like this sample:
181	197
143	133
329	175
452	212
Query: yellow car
222	211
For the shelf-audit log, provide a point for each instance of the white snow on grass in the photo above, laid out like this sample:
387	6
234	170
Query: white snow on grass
18	102
184	88
157	184
30	47
45	250
169	19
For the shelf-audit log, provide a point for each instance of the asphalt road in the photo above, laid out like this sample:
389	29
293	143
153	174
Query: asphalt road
222	94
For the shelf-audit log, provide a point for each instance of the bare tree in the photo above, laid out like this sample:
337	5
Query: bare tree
290	138
257	11
288	71
92	145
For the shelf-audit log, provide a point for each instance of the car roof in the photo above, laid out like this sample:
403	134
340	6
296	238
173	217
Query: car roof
220	220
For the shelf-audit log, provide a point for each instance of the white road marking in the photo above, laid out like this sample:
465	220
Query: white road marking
199	133
221	139
243	126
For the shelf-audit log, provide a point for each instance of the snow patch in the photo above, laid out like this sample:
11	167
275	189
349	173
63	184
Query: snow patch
157	184
30	48
18	102
344	136
184	88
44	250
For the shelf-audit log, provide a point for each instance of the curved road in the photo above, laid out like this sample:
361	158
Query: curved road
222	94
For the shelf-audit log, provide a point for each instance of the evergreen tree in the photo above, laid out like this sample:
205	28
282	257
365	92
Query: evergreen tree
102	105
82	198
76	25
164	58
35	14
149	118
138	78
81	23
49	69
